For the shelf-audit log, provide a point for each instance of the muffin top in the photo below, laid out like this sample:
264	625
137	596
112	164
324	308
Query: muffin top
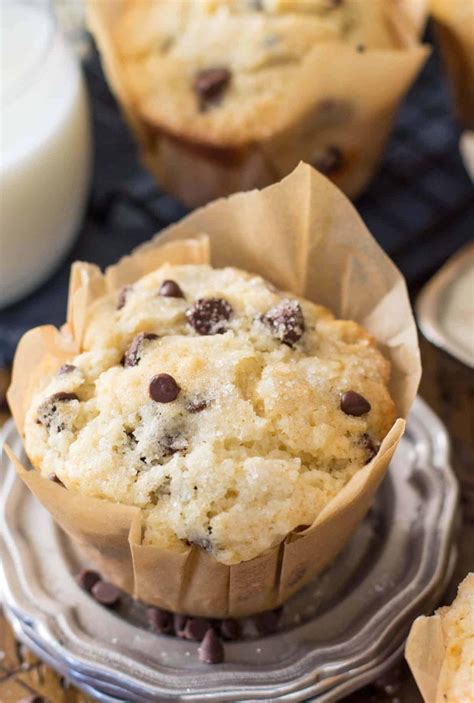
229	412
457	623
224	72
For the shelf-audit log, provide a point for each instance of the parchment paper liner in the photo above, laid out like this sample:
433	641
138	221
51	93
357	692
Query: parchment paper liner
304	236
370	83
426	652
455	31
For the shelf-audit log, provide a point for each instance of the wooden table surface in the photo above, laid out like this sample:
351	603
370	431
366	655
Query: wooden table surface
448	387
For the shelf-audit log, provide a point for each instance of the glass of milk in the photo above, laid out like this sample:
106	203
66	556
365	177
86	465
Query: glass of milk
45	146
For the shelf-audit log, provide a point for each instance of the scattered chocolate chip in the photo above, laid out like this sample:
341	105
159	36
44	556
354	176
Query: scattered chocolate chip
196	628
267	622
106	593
328	161
56	479
360	48
132	355
230	629
179	623
211	650
66	368
33	699
332	4
170	289
353	403
196	406
48	407
286	321
163	388
160	621
209	315
122	297
86	579
210	84
368	444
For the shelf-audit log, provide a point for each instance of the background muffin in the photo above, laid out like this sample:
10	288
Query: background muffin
228	412
230	94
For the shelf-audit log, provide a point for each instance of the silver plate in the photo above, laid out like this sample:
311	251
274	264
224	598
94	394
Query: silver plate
430	302
338	633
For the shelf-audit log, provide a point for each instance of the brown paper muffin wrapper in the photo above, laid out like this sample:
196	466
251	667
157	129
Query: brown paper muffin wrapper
304	236
454	22
362	90
425	653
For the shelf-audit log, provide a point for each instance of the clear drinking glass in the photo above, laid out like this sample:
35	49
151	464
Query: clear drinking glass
45	146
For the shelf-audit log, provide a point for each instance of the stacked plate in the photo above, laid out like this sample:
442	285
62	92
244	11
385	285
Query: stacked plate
336	635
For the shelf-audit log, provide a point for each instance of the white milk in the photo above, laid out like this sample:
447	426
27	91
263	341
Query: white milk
44	147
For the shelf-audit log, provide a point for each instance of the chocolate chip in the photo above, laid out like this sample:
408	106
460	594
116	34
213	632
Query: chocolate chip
160	621
48	407
286	321
196	628
132	355
32	699
86	579
209	315
353	403
210	84
106	593
230	629
122	297
328	161
267	622
66	368
368	444
211	650
179	623
196	406
170	289
360	48
55	479
163	388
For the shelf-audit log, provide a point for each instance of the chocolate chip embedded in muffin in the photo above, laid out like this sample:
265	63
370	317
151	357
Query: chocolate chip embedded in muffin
48	407
163	388
209	315
211	650
210	85
66	368
122	296
172	443
170	289
56	479
196	406
353	403
369	445
286	321
133	353
328	161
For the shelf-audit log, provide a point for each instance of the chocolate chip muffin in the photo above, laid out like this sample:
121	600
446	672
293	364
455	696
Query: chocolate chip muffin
229	412
226	95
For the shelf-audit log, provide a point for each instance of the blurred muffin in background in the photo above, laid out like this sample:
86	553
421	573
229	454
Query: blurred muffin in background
228	95
455	28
